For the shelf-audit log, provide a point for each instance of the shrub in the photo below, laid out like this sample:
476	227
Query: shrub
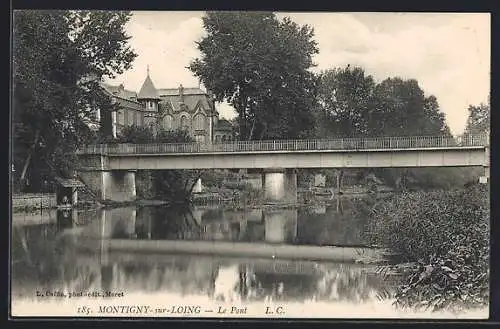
249	196
447	235
213	178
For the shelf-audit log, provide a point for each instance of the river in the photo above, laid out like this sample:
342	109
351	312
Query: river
199	261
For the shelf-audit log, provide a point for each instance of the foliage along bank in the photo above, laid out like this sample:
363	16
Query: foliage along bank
446	234
59	59
170	185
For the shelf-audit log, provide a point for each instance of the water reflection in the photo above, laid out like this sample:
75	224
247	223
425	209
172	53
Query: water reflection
334	225
66	218
63	265
70	253
319	225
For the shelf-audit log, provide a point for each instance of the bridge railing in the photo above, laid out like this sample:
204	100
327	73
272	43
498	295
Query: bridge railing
377	143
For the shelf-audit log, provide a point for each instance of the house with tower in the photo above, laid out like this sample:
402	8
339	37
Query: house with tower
192	109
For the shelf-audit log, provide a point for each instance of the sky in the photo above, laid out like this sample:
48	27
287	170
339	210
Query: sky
448	53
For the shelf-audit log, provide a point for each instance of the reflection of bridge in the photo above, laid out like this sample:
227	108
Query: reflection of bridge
109	169
116	230
106	263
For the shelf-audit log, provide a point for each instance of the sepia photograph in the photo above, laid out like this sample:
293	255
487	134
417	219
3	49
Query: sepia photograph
250	164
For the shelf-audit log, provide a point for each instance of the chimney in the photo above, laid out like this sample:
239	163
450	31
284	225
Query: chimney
181	93
121	88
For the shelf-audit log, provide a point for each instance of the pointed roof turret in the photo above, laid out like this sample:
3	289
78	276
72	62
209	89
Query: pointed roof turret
148	90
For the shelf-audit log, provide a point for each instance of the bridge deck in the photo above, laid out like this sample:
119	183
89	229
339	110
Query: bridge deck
275	146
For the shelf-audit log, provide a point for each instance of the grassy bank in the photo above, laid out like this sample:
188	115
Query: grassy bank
446	235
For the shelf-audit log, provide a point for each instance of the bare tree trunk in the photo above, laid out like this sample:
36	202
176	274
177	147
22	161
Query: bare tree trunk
198	176
262	133
340	176
28	158
250	135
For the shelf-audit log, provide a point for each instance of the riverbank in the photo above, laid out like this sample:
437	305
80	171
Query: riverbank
40	202
447	235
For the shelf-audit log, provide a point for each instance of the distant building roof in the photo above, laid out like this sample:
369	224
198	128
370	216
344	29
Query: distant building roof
148	90
175	91
190	98
124	97
173	99
120	91
223	125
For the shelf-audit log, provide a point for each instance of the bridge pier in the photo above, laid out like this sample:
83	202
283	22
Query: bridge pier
115	185
485	179
280	185
280	225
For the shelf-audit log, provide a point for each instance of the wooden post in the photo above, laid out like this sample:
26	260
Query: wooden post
74	196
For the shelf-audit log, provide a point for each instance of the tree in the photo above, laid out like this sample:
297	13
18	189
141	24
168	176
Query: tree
344	98
135	135
351	104
173	185
478	120
59	60
401	109
259	65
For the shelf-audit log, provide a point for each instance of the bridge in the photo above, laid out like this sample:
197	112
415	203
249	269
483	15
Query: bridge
110	168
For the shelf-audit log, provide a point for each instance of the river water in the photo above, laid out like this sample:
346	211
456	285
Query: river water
57	253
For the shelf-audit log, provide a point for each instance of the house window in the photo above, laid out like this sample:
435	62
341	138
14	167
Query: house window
141	119
199	122
114	123
119	117
184	122
217	138
200	138
125	117
167	122
131	117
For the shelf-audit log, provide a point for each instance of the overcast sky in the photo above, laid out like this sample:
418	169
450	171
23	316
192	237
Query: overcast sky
449	54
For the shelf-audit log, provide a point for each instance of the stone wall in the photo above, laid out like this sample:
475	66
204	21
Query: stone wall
34	200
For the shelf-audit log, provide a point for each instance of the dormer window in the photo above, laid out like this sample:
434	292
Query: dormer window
150	105
184	122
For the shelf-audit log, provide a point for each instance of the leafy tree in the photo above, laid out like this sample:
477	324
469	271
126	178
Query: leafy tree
433	121
401	109
174	136
173	185
59	59
136	135
351	104
345	97
259	65
478	120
